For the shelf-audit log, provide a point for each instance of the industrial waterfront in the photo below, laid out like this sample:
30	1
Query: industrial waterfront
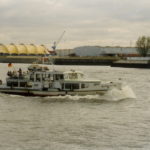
85	55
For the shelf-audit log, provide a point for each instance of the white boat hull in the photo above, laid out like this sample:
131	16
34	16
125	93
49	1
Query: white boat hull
112	94
28	92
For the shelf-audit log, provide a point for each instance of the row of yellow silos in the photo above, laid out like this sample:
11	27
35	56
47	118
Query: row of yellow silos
23	49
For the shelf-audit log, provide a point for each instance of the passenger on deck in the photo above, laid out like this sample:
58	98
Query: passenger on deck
20	72
14	74
9	73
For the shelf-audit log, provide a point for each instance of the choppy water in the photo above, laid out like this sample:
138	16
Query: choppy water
78	123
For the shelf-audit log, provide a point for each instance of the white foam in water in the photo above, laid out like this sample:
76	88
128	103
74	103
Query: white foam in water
87	97
113	95
116	94
74	98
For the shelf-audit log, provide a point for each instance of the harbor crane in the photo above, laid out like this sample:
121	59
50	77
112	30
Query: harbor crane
58	41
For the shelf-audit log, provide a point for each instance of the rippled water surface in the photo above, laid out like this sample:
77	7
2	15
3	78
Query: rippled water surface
78	123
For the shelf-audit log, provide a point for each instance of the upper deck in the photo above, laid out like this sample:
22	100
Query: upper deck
73	75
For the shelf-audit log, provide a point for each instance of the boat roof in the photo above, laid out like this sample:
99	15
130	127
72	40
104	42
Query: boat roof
81	81
73	71
36	67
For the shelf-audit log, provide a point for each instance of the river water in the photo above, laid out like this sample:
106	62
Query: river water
75	122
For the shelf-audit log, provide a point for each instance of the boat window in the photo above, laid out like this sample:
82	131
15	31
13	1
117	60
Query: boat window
56	77
71	86
59	76
49	75
15	84
43	76
67	86
63	86
32	77
95	84
86	85
38	77
50	85
23	84
12	84
8	83
75	86
82	86
73	75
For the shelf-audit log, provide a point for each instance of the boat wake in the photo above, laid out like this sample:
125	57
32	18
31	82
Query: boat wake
113	95
120	94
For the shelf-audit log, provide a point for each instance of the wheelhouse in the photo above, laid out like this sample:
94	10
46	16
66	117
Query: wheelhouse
46	76
73	75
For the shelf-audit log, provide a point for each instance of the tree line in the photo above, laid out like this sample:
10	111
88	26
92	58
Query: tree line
143	45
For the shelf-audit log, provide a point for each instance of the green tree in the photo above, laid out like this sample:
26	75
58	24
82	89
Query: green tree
143	45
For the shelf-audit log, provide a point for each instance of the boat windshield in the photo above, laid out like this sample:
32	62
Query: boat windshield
74	75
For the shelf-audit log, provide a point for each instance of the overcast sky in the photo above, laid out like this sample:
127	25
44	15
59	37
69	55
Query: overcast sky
86	22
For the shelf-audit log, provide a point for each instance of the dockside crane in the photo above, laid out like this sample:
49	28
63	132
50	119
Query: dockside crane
58	41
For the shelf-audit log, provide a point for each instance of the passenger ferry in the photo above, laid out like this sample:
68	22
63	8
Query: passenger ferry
40	81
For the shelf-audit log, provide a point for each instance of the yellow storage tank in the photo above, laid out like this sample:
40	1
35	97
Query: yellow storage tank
31	49
41	50
12	49
22	50
3	49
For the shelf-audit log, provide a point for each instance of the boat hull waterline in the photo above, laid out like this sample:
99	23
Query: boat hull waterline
123	93
49	93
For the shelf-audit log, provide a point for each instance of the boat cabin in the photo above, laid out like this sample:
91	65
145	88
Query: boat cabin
38	77
73	75
46	76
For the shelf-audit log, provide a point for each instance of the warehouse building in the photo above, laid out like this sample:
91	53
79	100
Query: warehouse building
99	51
105	51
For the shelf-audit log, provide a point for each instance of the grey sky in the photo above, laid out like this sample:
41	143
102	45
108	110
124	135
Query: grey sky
86	22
